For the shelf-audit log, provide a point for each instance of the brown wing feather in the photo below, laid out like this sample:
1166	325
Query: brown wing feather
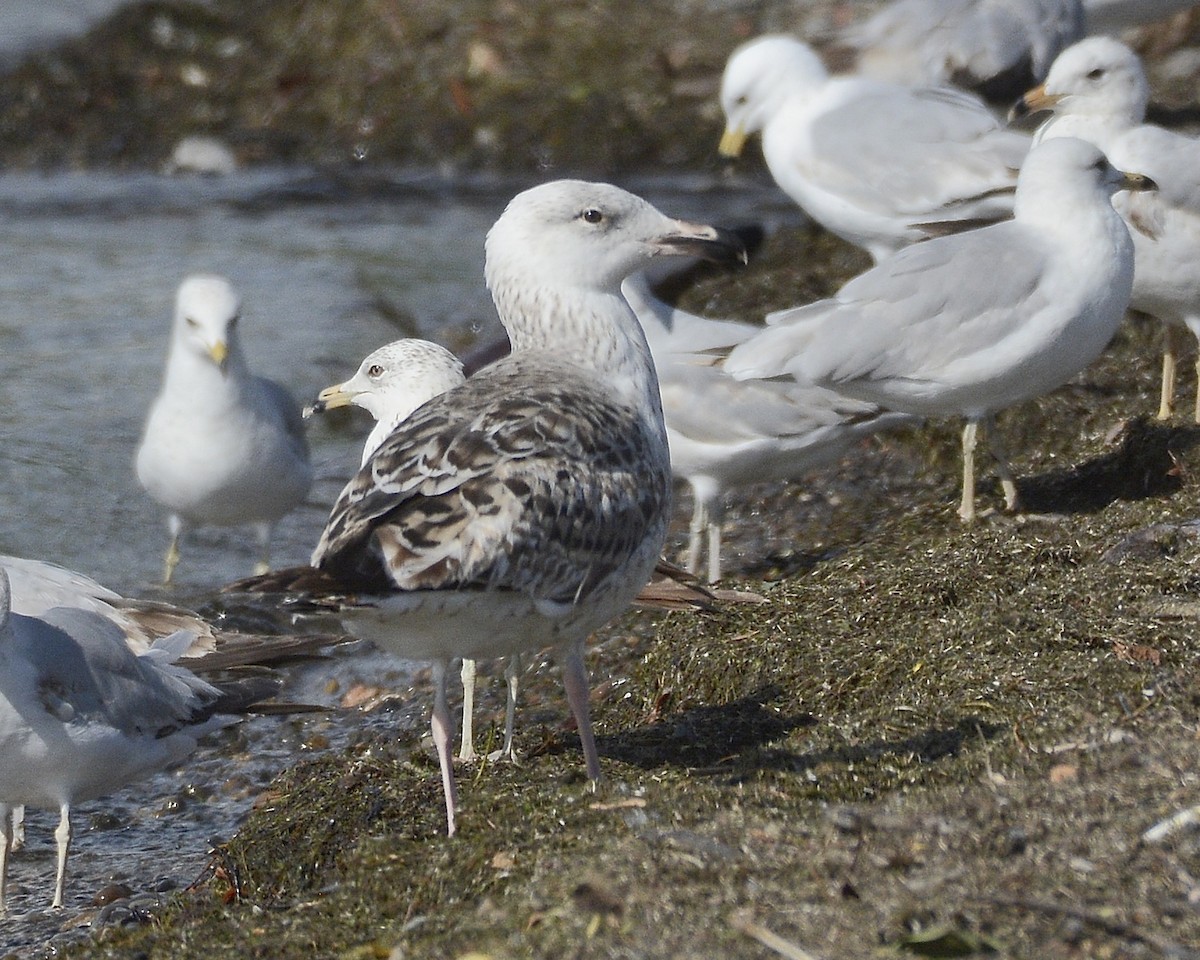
497	484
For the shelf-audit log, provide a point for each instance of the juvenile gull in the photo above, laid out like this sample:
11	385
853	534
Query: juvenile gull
81	715
973	323
390	384
725	432
1098	92
528	506
871	161
994	47
221	445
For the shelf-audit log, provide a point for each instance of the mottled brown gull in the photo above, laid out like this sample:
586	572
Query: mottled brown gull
527	507
390	384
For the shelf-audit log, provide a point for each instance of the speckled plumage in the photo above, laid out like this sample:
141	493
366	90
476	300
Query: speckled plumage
528	506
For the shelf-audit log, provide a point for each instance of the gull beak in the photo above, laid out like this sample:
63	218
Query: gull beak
329	399
1033	101
700	240
732	142
1136	182
219	354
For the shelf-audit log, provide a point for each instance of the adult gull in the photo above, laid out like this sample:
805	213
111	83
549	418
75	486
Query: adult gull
1097	91
221	445
874	162
82	715
972	323
724	432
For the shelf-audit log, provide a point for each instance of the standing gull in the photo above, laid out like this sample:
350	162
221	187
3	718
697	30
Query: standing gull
221	445
81	715
390	384
875	163
725	432
1098	92
973	323
528	506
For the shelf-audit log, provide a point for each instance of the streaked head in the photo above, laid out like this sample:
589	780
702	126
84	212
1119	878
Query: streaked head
573	233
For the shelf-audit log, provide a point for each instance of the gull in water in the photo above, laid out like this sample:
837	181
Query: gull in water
1098	92
997	48
81	715
528	506
973	323
879	164
221	445
725	432
36	587
390	384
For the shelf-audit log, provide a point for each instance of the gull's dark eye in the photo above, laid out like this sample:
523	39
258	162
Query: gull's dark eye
192	323
375	371
592	215
742	100
233	321
1095	74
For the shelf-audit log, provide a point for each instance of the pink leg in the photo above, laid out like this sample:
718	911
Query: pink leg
440	726
576	682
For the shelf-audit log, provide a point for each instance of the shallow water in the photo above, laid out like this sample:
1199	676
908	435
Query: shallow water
329	269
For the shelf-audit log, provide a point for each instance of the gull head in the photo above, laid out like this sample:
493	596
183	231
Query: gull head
759	77
1098	77
394	380
207	309
1066	172
589	236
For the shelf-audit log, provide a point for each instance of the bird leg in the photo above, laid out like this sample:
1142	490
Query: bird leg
6	839
512	678
576	683
18	826
715	519
466	749
1196	412
263	532
1007	482
970	437
439	726
696	535
1166	404
62	836
175	525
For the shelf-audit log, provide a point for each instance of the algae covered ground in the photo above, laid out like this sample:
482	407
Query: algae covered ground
929	740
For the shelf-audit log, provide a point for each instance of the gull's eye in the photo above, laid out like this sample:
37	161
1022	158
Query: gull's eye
375	371
742	100
1095	74
233	321
192	323
592	215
